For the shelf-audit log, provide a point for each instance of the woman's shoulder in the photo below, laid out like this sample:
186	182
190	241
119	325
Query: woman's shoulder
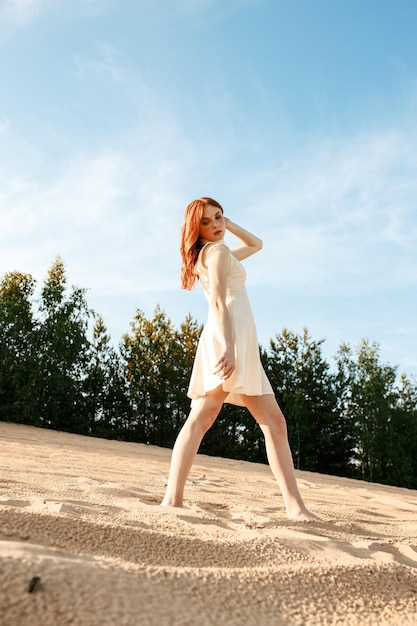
212	249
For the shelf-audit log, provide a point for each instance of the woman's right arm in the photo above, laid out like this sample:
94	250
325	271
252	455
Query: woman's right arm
250	242
217	263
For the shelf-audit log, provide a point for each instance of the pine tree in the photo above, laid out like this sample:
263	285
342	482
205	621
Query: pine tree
63	353
18	356
105	388
369	402
304	387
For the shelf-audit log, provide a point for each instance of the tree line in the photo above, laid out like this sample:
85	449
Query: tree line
59	369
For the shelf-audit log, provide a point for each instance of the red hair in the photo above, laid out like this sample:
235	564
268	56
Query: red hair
190	244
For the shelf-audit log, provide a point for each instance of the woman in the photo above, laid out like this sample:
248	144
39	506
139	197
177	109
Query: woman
227	366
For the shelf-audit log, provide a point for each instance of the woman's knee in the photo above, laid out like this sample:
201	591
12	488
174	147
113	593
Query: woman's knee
202	422
276	424
203	414
271	417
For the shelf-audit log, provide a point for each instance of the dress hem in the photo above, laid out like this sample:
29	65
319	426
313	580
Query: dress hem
233	397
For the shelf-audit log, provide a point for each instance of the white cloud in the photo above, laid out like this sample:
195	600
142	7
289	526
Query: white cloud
187	6
343	217
19	13
107	64
5	125
337	219
340	220
112	213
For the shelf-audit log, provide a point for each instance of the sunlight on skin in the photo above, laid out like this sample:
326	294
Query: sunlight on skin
206	407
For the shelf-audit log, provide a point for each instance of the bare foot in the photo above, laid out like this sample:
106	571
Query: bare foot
173	503
304	516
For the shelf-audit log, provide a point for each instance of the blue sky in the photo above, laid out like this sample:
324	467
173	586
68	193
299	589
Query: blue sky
299	116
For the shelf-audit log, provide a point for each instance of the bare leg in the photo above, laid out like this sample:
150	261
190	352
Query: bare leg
202	416
269	416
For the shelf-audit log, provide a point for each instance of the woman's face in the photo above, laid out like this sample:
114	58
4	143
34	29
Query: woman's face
212	225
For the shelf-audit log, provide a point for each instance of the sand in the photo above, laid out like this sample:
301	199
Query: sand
83	541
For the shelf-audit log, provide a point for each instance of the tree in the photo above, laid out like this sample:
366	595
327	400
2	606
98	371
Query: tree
156	367
404	472
63	353
17	354
304	387
186	342
369	401
105	388
235	435
361	420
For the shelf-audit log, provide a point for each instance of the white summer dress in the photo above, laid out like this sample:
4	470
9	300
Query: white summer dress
249	377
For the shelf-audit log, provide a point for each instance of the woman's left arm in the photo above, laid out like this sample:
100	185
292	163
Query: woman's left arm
250	243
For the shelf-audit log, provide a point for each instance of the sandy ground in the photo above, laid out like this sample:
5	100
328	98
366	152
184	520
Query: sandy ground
84	542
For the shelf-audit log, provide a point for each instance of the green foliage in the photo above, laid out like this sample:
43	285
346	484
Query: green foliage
107	408
17	347
405	472
381	416
359	421
304	387
63	353
158	366
235	435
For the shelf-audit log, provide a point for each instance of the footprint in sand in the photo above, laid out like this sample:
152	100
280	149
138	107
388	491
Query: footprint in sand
208	482
16	503
331	549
